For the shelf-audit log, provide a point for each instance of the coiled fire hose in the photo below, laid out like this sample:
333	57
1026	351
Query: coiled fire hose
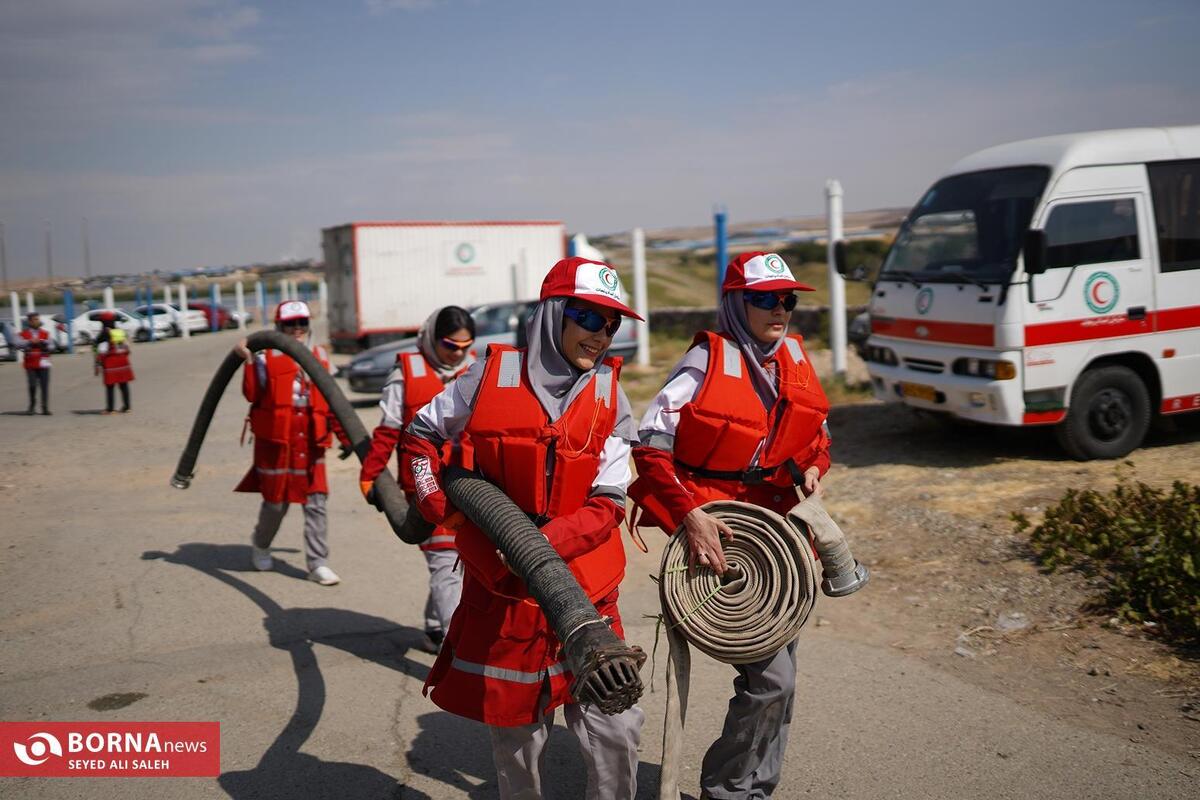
756	608
605	667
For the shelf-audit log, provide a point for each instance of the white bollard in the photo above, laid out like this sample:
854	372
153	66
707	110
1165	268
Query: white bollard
640	297
260	299
29	307
183	308
240	299
108	297
218	293
323	298
167	294
15	299
837	284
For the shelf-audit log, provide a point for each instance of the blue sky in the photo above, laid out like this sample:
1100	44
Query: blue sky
193	132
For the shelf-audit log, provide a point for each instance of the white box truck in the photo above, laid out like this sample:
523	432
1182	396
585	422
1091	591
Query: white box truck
1054	281
385	278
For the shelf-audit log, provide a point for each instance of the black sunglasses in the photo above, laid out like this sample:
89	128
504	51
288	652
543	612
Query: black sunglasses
592	321
768	300
294	323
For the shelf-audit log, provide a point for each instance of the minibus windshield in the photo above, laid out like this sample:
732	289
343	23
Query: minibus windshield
967	228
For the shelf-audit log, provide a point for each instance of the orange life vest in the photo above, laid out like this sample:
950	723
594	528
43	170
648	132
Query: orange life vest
271	414
116	366
36	352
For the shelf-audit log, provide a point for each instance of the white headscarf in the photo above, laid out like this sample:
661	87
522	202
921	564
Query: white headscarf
427	345
731	318
555	381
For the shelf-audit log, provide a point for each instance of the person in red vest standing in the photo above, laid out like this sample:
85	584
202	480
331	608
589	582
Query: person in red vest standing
741	417
292	427
36	344
112	361
443	353
549	425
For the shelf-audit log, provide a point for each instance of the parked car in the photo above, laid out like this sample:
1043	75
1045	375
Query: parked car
235	315
859	332
224	320
495	323
194	320
89	324
8	342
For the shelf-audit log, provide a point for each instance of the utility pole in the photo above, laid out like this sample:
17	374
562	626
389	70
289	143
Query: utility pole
87	254
3	257
49	257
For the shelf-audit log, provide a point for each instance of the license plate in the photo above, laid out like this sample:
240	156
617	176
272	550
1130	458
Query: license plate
919	391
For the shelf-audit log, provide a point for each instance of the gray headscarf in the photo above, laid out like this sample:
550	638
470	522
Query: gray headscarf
731	318
426	344
556	381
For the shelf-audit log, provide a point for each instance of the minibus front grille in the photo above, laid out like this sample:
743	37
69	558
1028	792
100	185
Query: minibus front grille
925	365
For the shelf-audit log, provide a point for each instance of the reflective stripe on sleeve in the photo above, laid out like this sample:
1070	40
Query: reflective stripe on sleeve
505	674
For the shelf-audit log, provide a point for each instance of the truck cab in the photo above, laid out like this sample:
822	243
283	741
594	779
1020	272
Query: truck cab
1052	282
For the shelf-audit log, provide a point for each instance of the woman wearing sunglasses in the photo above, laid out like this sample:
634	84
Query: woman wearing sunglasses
552	428
741	417
292	427
443	353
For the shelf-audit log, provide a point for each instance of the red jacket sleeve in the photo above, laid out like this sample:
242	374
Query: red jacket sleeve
584	530
658	487
820	459
420	475
250	385
384	441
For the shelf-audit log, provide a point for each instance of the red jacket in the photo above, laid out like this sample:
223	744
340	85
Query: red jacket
114	363
291	430
725	426
38	348
500	646
421	384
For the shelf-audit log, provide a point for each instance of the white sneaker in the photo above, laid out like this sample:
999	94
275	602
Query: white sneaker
324	576
261	558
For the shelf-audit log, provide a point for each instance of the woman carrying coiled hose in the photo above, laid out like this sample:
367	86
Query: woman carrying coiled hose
741	417
443	353
552	428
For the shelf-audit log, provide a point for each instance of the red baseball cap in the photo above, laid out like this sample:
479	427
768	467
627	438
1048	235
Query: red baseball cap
593	281
292	309
761	272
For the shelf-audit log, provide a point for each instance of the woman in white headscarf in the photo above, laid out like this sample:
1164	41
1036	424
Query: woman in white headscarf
443	353
552	428
741	417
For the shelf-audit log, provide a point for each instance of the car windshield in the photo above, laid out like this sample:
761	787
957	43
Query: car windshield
491	320
967	227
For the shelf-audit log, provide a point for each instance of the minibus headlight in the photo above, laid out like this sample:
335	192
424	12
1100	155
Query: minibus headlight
993	370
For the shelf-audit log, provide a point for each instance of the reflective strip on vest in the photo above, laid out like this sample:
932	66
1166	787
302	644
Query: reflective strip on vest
509	374
270	471
794	348
504	674
604	384
416	365
732	358
439	540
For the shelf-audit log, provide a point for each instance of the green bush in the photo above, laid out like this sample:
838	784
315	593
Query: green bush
1145	541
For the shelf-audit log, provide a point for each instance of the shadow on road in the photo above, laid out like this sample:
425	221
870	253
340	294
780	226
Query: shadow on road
866	434
283	771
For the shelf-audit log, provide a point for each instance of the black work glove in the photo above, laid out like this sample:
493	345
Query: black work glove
345	451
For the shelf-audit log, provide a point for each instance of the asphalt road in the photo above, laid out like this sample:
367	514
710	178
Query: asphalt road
113	582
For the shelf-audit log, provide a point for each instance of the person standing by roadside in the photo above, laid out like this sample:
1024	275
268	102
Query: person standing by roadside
292	427
36	344
741	417
112	361
549	425
443	353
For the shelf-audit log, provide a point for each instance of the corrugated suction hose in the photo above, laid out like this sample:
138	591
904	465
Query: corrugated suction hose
386	488
605	668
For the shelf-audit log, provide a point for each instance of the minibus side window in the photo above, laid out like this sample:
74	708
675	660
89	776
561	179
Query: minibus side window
1094	232
1175	187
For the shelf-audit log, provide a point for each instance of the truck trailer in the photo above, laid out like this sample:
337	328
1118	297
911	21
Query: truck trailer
385	278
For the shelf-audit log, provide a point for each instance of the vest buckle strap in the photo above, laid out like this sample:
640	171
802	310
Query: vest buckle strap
754	475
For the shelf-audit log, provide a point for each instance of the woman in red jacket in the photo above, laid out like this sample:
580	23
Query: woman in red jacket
292	427
550	426
443	353
112	361
741	417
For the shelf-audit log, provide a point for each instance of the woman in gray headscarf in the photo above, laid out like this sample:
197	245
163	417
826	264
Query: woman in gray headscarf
443	353
552	428
740	418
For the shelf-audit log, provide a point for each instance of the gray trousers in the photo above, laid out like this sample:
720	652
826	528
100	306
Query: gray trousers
609	745
746	761
36	378
316	528
445	587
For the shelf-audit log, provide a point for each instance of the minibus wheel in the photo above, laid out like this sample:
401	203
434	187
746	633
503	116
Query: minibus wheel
1109	414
